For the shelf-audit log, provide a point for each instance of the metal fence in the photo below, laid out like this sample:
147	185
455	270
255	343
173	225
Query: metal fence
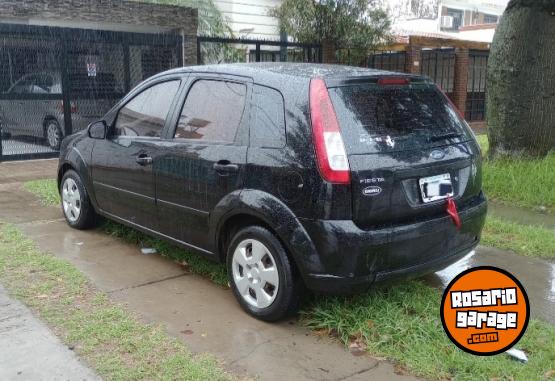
215	50
476	85
439	65
391	61
55	81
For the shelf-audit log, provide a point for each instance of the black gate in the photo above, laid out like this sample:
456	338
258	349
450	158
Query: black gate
476	87
439	65
215	50
390	61
55	81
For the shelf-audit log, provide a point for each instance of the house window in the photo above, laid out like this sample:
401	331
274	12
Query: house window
456	15
490	19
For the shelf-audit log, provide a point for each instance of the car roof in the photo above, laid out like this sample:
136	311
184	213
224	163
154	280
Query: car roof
270	70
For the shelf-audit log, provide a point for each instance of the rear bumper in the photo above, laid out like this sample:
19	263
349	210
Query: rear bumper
351	259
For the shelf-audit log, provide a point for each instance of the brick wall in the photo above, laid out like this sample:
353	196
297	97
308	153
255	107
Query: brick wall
461	79
183	20
413	60
328	52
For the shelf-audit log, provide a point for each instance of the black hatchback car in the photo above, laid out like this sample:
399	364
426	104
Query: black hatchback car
295	175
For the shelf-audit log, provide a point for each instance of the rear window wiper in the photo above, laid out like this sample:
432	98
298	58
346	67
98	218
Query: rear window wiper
444	136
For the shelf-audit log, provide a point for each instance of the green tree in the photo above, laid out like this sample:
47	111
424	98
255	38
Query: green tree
358	25
521	80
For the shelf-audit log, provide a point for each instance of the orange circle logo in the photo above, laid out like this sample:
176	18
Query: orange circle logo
485	310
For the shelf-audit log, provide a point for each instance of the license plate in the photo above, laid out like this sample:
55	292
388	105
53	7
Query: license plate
436	188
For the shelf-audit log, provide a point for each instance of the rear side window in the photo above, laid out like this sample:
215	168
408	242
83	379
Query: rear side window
212	111
267	118
385	118
145	115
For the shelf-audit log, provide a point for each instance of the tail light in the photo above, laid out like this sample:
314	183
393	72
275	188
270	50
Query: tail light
72	105
393	81
328	143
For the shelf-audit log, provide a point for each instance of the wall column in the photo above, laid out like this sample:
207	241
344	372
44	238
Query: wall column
328	52
413	61
461	79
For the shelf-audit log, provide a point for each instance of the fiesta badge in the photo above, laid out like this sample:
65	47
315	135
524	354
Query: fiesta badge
372	191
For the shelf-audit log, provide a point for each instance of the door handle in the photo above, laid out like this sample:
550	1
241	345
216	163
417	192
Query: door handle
224	166
144	159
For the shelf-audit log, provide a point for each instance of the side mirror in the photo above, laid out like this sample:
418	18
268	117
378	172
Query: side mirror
98	130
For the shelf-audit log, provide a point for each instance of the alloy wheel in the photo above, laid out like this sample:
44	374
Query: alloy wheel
53	135
255	273
71	200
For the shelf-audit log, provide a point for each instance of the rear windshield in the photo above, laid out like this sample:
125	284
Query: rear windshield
381	118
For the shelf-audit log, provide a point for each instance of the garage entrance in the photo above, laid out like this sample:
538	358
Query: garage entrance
54	81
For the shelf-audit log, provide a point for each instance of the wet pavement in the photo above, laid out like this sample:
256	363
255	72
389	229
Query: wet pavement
206	317
521	215
30	351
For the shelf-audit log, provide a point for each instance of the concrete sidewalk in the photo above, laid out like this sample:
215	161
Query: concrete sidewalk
201	314
30	351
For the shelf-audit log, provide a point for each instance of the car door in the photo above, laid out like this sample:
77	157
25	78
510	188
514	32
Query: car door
122	169
42	106
204	160
16	109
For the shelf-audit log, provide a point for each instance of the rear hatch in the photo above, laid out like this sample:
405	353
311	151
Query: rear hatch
408	149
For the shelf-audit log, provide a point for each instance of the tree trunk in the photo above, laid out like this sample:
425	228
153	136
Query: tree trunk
521	81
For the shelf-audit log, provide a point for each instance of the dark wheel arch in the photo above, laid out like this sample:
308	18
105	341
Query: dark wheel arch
61	172
254	207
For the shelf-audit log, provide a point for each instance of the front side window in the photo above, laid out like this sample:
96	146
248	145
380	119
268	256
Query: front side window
145	115
212	111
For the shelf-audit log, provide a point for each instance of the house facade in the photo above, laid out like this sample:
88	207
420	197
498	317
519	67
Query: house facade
250	18
457	14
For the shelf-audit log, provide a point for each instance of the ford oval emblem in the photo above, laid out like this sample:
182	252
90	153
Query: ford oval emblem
437	154
372	191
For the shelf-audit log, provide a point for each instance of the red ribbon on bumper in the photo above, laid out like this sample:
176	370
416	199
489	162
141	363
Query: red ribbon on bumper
452	211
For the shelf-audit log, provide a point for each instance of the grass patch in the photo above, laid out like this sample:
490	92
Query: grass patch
524	182
110	339
46	190
484	143
532	241
402	323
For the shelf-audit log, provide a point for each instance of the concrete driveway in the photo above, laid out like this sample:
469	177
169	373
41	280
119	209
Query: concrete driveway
203	315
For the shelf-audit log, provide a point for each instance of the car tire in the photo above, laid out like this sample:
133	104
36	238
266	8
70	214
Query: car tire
76	204
53	134
262	277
